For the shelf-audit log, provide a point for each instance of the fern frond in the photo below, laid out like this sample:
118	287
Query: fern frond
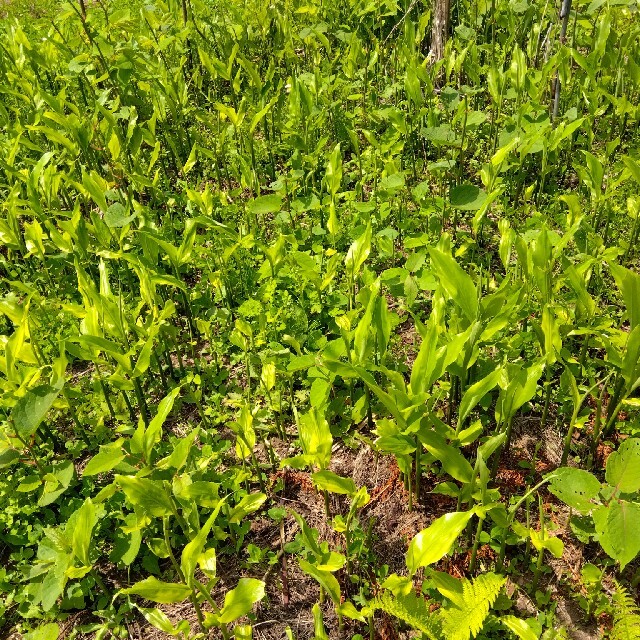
626	616
466	617
412	610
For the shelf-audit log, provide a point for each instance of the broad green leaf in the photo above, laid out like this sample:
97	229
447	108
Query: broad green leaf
629	284
631	362
348	609
83	526
432	361
475	393
208	563
157	591
92	183
467	197
109	456
551	332
358	253
552	544
265	204
319	632
329	481
160	621
333	173
521	388
8	457
585	302
617	526
192	551
57	482
191	160
576	488
178	457
203	493
144	357
457	284
246	506
147	494
315	437
325	578
239	601
486	449
633	166
425	361
45	632
153	432
434	542
452	460
30	410
623	467
116	216
519	627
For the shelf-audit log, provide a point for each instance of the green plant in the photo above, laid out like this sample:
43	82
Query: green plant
612	505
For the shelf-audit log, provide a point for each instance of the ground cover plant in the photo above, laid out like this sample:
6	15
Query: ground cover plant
318	323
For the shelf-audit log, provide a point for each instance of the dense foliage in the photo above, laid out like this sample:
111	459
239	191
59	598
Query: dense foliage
238	238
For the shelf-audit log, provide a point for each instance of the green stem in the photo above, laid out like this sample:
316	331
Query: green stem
178	570
476	544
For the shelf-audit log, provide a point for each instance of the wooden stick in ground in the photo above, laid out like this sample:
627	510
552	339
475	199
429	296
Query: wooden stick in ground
440	29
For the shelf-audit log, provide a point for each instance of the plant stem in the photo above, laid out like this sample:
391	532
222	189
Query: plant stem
476	544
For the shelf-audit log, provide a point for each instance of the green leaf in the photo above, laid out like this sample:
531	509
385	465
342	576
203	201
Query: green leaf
157	591
30	410
349	610
623	466
467	197
333	173
629	284
458	284
116	216
319	632
325	578
358	253
159	620
62	475
315	437
239	601
576	488
329	481
147	494
633	166
8	457
83	526
475	393
453	462
434	542
521	388
265	204
617	526
91	184
247	505
191	160
109	456
552	544
153	433
518	627
192	551
45	632
178	457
